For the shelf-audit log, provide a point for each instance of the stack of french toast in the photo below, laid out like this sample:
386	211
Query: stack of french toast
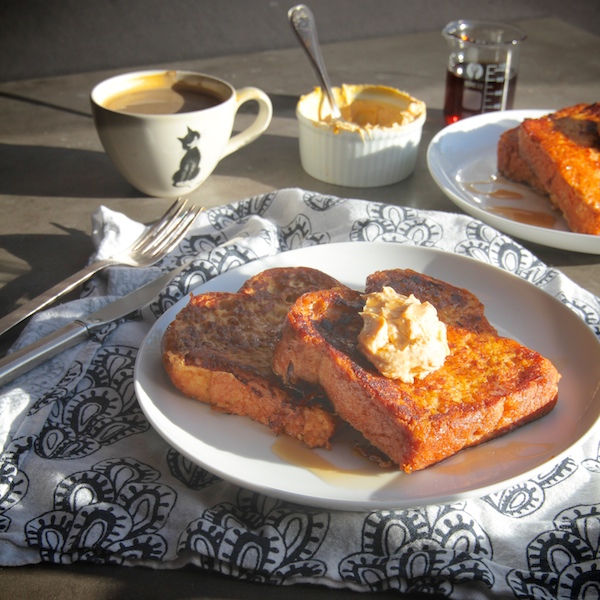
283	350
558	156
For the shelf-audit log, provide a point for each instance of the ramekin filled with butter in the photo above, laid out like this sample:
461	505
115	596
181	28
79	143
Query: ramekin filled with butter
375	143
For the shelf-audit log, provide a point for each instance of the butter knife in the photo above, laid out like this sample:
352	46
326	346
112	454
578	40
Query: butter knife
20	362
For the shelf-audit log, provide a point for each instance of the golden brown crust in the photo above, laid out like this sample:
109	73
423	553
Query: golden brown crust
512	165
487	386
219	350
562	151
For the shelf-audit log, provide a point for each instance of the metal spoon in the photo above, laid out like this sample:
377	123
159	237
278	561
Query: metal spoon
303	23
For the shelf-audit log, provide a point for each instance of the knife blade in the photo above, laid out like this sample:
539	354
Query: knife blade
19	362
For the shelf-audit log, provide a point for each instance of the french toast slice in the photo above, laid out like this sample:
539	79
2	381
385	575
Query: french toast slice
512	165
487	386
219	350
559	155
563	149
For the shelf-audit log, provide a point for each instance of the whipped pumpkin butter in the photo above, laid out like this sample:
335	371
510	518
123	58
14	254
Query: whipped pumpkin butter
402	336
364	108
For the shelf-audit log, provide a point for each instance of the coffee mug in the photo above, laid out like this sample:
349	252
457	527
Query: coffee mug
166	131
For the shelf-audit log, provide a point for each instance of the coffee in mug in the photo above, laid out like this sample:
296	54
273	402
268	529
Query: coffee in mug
162	94
166	131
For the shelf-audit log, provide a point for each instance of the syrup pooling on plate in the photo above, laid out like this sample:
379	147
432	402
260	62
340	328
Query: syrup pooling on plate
522	215
350	476
480	187
463	464
491	189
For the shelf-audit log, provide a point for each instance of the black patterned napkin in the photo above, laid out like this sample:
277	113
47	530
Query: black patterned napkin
84	477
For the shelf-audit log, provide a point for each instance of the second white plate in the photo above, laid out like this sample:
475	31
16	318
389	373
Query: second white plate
462	161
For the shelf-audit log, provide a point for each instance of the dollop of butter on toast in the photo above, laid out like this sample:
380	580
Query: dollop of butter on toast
402	336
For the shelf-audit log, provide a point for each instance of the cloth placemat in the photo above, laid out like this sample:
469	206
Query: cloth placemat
84	477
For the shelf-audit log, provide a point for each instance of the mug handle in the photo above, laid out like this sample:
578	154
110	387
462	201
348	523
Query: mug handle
260	123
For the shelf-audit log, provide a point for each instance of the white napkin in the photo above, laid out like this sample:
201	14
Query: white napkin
84	477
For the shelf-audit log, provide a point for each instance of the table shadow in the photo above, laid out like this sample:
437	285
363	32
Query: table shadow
62	172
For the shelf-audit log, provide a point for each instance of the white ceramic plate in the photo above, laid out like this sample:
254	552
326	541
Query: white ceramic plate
248	454
462	161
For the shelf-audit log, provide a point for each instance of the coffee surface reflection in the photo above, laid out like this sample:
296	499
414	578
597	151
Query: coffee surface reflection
178	97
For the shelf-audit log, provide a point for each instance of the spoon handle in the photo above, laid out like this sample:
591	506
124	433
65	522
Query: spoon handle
303	23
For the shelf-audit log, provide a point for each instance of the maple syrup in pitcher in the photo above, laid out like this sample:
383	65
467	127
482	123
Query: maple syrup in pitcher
482	68
467	97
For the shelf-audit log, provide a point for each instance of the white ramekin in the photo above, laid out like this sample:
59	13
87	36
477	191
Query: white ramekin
358	157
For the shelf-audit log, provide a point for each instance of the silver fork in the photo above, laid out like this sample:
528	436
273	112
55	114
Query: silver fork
148	249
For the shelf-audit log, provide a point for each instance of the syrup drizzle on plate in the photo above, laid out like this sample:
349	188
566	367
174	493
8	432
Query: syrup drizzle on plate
352	475
499	193
464	463
522	215
490	189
